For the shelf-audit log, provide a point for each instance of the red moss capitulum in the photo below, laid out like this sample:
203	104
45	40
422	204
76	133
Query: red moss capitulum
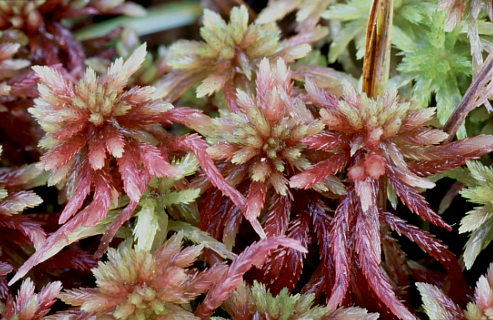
372	166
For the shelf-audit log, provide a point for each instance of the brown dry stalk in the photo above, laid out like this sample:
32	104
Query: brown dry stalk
468	102
377	58
377	52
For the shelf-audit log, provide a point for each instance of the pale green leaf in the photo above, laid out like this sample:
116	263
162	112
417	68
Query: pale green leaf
189	164
478	240
161	236
475	218
3	193
402	41
343	38
284	306
147	225
481	194
460	174
413	13
201	237
176	197
480	172
392	196
189	212
433	301
474	312
353	10
448	97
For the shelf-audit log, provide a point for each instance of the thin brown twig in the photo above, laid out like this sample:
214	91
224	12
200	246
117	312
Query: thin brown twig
377	52
468	102
377	60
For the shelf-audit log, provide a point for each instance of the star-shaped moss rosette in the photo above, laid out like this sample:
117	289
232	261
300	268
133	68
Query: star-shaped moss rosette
155	280
308	13
259	146
93	122
264	136
103	138
256	302
138	284
28	305
50	41
229	55
375	141
450	56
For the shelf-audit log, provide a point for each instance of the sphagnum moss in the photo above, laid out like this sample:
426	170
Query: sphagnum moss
283	204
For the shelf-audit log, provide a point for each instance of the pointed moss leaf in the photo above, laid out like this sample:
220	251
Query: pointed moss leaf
448	97
478	240
189	164
190	212
480	172
399	81
81	232
346	12
392	196
475	218
3	193
201	237
176	197
481	194
315	58
436	304
480	220
343	38
147	225
402	40
161	236
473	312
460	174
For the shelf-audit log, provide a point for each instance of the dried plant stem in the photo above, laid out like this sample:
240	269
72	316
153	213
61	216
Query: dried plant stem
377	59
377	51
468	102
